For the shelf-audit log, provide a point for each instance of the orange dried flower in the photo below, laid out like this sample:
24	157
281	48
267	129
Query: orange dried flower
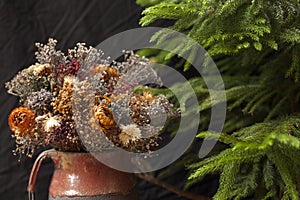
107	72
21	121
104	116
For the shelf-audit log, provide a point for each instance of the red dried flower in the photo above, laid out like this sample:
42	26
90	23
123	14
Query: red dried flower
21	121
71	68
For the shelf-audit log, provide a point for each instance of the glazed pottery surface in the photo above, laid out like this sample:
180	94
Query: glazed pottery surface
79	176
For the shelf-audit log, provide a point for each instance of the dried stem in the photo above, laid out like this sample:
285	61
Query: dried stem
152	179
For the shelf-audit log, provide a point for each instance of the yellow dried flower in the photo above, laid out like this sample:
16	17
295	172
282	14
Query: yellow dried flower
63	102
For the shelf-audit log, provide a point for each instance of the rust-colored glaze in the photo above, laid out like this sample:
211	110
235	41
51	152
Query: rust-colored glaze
80	174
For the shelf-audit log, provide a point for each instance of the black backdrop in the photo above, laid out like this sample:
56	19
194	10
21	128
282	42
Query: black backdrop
24	22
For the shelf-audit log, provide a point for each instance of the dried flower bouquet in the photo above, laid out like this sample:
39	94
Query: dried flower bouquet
55	86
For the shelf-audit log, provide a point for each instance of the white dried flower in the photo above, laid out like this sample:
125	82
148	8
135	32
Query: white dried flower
69	79
129	132
51	123
41	118
124	138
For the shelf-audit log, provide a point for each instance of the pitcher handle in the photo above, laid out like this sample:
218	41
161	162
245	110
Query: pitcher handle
34	171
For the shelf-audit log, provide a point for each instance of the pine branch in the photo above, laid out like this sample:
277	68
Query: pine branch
227	180
258	56
289	180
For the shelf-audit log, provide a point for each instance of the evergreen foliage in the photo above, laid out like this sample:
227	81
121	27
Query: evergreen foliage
256	46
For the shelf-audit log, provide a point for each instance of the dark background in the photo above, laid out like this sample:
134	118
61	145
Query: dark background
24	22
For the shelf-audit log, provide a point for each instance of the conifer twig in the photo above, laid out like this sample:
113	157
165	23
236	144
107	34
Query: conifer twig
152	179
